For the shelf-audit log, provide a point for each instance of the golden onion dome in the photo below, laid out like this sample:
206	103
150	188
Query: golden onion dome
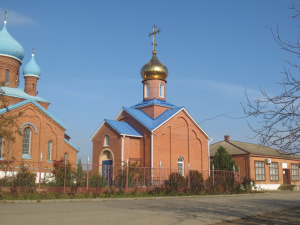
154	69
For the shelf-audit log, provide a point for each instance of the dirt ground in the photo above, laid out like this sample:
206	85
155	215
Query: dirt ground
288	216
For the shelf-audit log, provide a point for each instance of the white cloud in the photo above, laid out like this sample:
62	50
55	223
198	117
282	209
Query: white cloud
15	18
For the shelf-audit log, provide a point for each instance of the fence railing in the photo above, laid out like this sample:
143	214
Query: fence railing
65	177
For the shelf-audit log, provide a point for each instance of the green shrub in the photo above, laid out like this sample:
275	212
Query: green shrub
24	178
176	181
196	180
63	170
96	180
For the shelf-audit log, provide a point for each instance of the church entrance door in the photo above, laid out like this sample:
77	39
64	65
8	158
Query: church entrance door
107	171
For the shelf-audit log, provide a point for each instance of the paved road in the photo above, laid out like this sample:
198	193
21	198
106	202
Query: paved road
178	210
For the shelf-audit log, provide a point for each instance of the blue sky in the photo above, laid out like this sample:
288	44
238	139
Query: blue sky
91	53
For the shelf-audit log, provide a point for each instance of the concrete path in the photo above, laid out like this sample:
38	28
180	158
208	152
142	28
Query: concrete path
178	210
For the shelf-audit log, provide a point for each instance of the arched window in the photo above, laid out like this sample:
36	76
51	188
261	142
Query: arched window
161	90
106	140
49	152
146	91
181	166
1	147
26	141
7	76
65	157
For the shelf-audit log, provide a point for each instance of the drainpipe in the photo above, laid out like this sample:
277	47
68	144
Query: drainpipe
151	157
209	140
123	137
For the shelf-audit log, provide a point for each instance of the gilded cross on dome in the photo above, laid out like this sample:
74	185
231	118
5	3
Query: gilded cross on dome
5	13
153	33
33	48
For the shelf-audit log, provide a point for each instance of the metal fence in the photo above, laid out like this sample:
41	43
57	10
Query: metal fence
62	177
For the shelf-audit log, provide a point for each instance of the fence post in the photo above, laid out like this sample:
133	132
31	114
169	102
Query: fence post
144	177
189	177
87	175
213	170
65	177
13	175
127	177
159	173
40	171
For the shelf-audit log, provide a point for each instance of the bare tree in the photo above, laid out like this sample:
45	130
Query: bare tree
279	115
8	122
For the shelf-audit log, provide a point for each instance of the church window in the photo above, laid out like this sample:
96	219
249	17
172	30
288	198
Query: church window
26	141
1	147
161	90
181	166
106	140
7	76
65	157
146	91
49	152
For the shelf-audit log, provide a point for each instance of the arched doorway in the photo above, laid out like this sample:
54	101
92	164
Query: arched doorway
106	165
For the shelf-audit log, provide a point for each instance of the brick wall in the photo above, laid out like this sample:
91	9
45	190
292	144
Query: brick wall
13	65
278	160
47	130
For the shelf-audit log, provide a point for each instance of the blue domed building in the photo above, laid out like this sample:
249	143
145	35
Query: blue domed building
35	134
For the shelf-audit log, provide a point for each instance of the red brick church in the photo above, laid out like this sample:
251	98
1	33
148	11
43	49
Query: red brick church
153	131
38	132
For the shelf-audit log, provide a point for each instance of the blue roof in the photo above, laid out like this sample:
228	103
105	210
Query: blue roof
19	104
19	93
154	101
73	146
147	121
9	46
32	68
123	128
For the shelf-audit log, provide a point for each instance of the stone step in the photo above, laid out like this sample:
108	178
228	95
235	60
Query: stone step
289	187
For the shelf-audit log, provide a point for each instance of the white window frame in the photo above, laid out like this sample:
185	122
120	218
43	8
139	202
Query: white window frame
260	171
274	171
65	157
295	172
49	151
106	140
26	147
146	90
181	166
161	90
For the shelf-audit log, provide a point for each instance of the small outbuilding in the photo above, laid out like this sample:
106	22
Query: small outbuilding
268	167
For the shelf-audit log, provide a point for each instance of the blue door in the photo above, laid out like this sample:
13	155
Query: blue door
107	171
